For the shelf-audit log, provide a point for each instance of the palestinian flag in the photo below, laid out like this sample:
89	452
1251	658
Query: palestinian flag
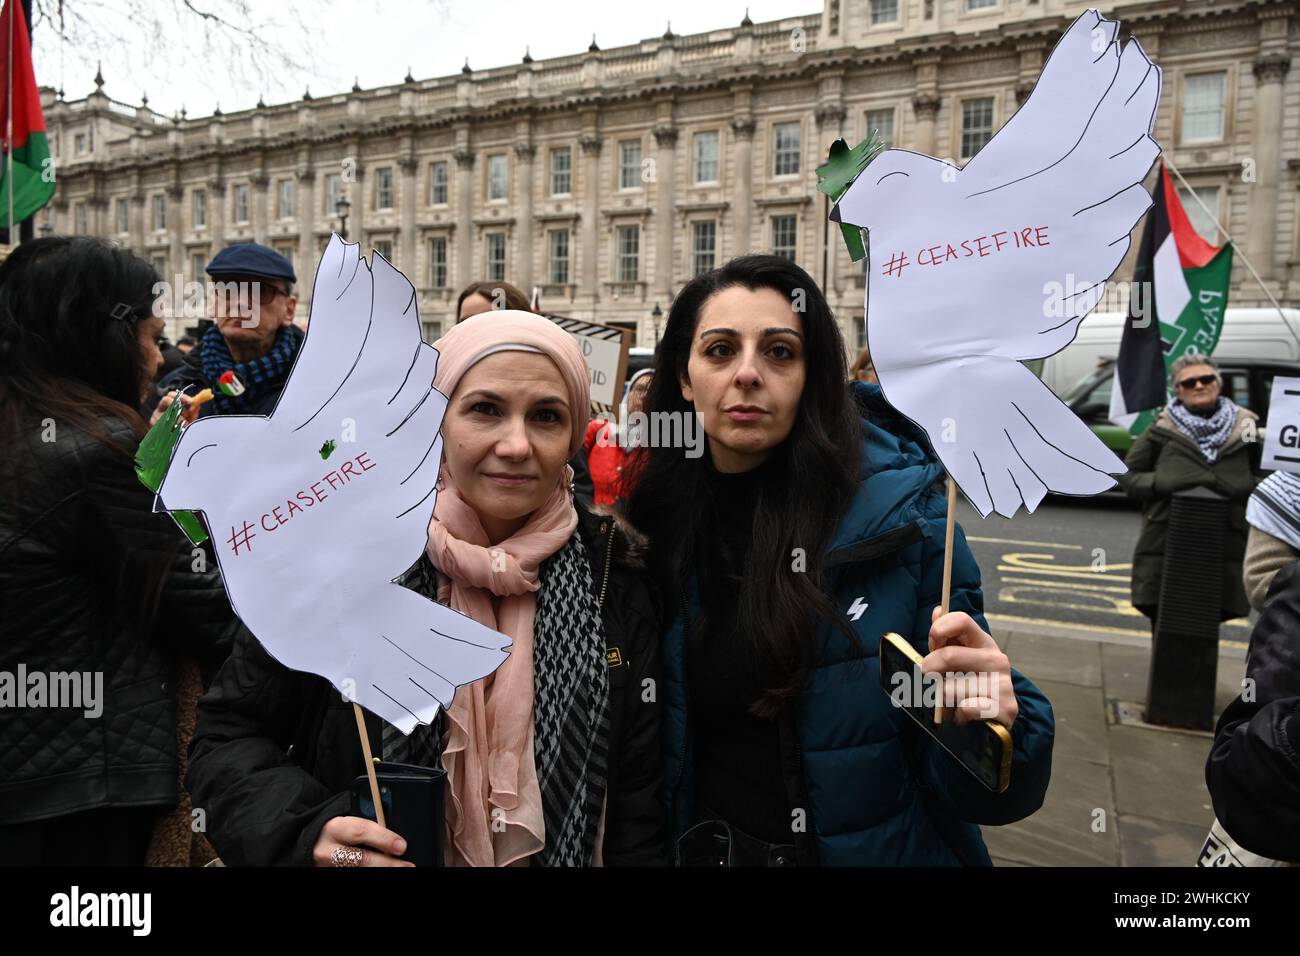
1180	293
33	169
230	384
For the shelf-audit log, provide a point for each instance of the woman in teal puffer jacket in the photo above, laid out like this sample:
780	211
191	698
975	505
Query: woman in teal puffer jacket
812	524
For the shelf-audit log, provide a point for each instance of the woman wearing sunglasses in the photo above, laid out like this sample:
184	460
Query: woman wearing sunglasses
812	525
1202	439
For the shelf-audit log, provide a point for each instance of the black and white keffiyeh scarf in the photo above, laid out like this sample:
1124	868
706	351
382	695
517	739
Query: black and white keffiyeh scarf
1274	508
1209	433
570	707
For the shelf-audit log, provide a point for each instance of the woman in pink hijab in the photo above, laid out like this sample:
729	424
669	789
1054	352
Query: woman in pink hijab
554	759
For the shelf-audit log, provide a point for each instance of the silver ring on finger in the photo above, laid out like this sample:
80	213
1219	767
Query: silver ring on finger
347	856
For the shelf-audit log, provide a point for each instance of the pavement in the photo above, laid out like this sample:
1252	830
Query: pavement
1123	792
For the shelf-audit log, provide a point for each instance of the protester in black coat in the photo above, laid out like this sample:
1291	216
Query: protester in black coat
1253	772
93	584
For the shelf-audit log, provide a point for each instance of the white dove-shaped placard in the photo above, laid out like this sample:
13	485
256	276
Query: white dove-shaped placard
316	509
974	270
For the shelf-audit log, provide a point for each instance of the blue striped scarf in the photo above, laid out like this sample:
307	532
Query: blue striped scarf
259	376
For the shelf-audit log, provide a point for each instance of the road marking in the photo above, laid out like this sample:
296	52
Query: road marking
1012	619
1061	572
1038	544
1071	585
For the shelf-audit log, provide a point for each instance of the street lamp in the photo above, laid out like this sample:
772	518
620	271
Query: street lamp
655	316
342	207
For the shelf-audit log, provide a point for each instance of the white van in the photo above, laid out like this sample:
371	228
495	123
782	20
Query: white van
1247	334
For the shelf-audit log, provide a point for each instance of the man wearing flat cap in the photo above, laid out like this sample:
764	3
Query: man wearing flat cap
246	354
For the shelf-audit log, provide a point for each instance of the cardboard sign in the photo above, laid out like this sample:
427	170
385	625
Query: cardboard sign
1282	437
605	349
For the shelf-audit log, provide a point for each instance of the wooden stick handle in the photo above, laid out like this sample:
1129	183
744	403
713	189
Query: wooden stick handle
370	764
948	534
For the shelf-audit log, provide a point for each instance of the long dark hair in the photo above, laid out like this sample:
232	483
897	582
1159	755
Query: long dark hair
813	480
70	308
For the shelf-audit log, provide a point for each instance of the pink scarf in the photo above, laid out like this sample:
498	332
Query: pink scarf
494	804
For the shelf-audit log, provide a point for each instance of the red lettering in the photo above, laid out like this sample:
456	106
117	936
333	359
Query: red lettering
347	467
1039	233
981	245
952	253
302	495
332	474
315	490
293	507
965	244
920	258
279	518
1024	234
365	462
264	525
998	244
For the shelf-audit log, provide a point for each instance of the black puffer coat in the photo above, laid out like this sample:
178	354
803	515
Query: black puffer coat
91	580
275	751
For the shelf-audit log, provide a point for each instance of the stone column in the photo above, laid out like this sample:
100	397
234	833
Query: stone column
743	128
665	143
407	164
926	108
524	153
357	195
590	144
135	216
1270	71
464	217
176	248
259	182
830	124
216	187
306	176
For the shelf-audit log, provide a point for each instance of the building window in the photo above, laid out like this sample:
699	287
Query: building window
200	204
159	264
785	149
159	212
976	125
882	121
706	157
384	247
884	11
286	199
286	249
704	244
981	4
198	262
558	256
561	171
438	259
123	210
333	193
1203	96
629	164
1199	218
438	183
241	202
496	177
496	256
384	187
80	143
79	218
785	236
629	253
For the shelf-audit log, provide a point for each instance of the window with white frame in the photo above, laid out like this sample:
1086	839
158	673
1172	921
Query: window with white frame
705	165
1203	101
557	256
882	121
384	247
628	246
80	226
785	149
159	264
981	4
438	183
285	210
496	256
1196	211
496	177
123	211
629	164
199	208
79	143
976	125
884	11
286	249
241	202
561	171
198	262
785	236
704	245
159	212
438	262
384	187
333	193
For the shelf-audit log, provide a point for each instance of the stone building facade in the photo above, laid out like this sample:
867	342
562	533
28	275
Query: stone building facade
607	178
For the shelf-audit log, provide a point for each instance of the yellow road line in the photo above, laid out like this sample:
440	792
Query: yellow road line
1075	626
1071	585
1061	572
1041	544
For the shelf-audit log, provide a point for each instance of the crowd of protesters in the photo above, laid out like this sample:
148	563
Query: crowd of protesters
767	741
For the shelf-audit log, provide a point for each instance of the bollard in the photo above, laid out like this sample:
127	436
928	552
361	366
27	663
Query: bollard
1185	646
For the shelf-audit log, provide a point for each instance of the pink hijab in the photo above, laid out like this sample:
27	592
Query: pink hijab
494	805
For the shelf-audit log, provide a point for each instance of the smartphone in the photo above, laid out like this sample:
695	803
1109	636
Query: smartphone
413	805
983	747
